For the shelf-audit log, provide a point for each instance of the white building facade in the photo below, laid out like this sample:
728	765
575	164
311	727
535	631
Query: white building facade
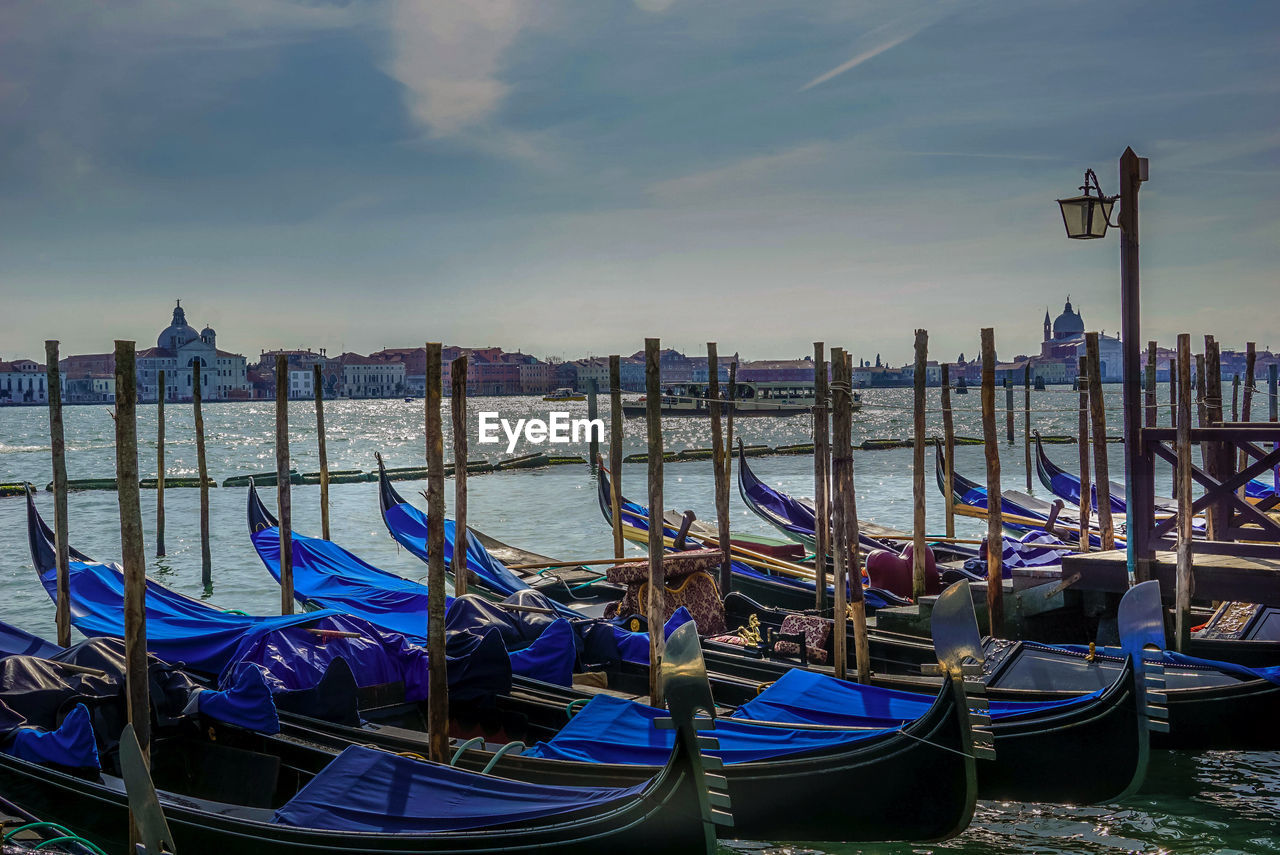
22	381
223	375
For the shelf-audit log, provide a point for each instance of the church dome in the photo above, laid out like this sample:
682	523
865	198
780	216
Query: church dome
178	332
1069	324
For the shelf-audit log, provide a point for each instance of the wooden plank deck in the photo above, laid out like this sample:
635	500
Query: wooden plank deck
1214	577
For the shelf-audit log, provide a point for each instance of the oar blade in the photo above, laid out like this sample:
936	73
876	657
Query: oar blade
143	801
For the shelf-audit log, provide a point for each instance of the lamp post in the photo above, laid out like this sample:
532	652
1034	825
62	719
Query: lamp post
1086	217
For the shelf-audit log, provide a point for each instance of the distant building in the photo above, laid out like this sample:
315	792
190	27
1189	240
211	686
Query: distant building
22	381
367	377
223	375
1063	344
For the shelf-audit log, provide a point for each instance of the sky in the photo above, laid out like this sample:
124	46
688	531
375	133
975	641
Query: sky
567	177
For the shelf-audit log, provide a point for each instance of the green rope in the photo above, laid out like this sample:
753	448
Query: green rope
570	707
65	836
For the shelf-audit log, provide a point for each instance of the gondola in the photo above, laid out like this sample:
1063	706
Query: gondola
1066	486
761	583
1034	737
796	518
1020	512
224	789
934	745
576	591
1213	704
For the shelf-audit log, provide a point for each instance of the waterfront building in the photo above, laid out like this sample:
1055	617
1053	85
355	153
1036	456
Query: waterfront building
368	377
1064	339
223	375
22	381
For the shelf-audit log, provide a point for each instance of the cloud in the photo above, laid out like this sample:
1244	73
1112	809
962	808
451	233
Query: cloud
886	37
449	55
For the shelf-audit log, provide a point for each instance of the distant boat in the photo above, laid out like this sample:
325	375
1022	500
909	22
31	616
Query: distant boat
752	399
565	394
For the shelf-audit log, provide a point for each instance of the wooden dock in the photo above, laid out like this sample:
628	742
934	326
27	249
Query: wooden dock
1215	577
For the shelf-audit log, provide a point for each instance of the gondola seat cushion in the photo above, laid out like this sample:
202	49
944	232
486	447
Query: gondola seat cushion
697	592
675	565
893	573
816	631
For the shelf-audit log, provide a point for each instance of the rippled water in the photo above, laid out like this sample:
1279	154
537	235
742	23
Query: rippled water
1193	803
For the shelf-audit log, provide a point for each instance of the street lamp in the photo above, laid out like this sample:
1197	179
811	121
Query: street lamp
1086	217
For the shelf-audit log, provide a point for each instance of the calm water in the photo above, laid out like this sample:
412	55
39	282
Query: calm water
1193	803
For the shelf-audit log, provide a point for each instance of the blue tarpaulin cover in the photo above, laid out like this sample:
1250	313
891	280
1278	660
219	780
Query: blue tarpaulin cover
550	658
803	697
247	703
614	730
374	791
22	643
71	745
185	630
329	577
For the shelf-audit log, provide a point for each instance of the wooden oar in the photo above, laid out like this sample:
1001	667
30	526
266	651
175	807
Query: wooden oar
588	562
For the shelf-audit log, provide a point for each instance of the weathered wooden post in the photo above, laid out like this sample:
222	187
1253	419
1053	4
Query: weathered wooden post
438	675
718	452
657	576
135	563
283	496
593	441
1150	392
615	450
1097	409
857	597
1272	371
917	467
160	386
1086	488
995	542
1216	513
1202	411
458	412
1026	422
728	431
197	399
58	446
821	475
317	380
1183	580
1246	410
841	433
949	446
1008	408
1173	392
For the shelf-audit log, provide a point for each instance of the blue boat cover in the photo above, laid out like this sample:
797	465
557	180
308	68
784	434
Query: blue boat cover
19	642
186	631
550	658
408	526
614	730
246	704
371	791
72	745
1170	657
329	577
803	697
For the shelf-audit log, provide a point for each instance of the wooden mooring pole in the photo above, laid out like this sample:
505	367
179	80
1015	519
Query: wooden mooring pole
135	564
841	452
917	469
949	446
821	475
593	413
284	504
615	450
1086	488
1246	408
58	446
1101	468
1216	513
857	606
1026	423
202	466
1273	395
160	395
458	413
995	541
718	452
437	672
728	429
656	612
1150	391
318	382
1202	409
1183	579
